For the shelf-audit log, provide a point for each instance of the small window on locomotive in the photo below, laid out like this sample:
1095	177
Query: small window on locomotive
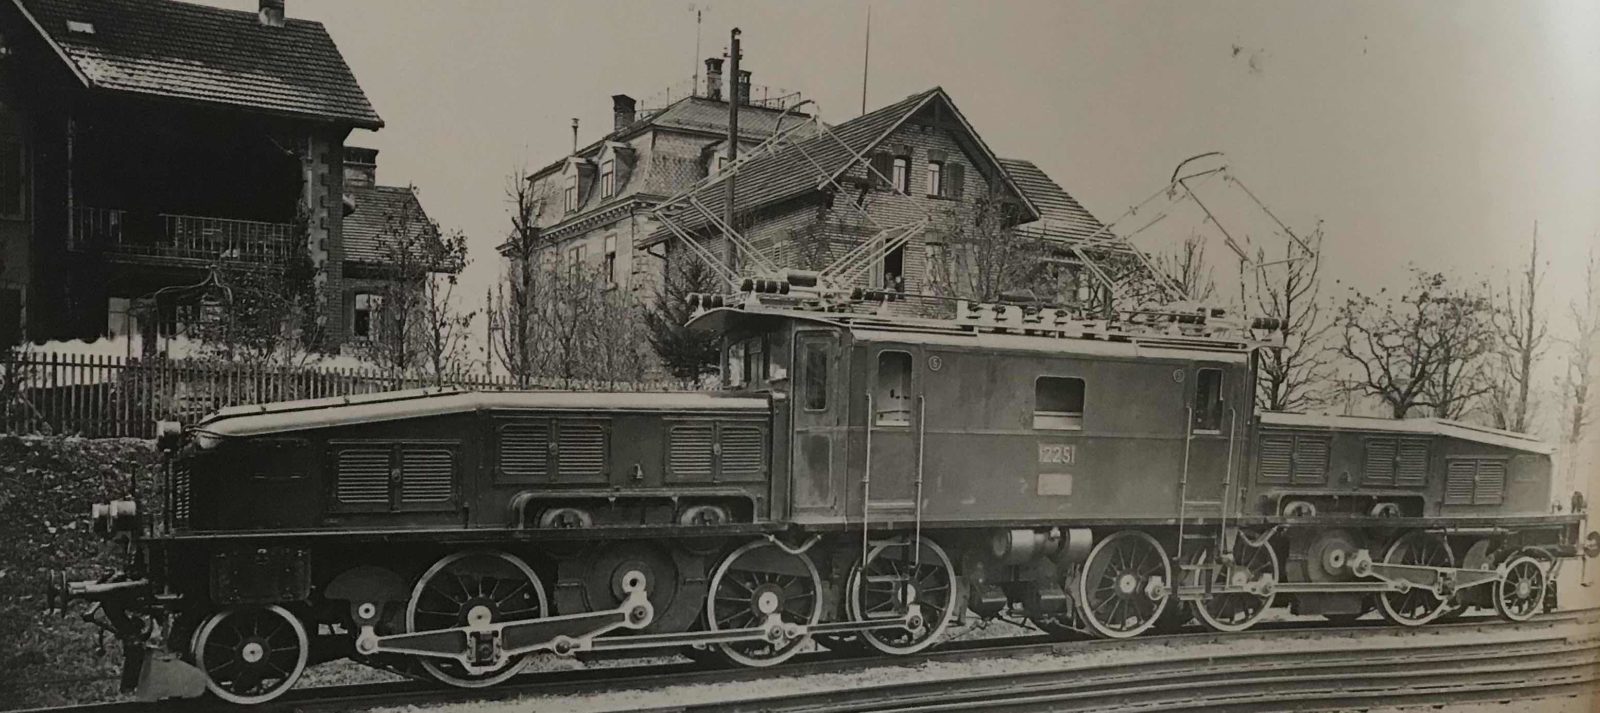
1058	403
1208	400
755	361
814	368
735	375
892	399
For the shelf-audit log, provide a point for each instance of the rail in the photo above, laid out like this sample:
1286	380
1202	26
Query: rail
169	235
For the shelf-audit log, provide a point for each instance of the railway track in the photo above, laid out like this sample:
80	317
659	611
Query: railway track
1229	685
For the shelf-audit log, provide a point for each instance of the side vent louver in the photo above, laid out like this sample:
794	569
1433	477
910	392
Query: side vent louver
742	451
525	450
363	477
1471	481
1490	487
690	455
426	475
1380	462
1277	457
1412	464
581	451
1310	459
180	493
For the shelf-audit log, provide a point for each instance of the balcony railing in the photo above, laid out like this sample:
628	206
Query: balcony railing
163	235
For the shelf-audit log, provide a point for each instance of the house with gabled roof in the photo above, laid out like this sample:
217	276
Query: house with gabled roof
916	158
142	141
593	205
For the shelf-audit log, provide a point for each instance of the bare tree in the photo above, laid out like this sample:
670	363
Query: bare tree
1295	377
1520	332
419	326
987	256
1423	349
1187	265
515	302
1577	385
261	312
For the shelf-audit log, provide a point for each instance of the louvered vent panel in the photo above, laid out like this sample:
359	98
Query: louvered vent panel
1379	468
180	494
1411	467
1490	487
581	452
1310	460
525	450
1458	484
363	477
742	450
1277	457
689	452
426	475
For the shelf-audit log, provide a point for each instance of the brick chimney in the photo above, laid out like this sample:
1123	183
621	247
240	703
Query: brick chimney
271	13
360	166
742	88
713	78
623	109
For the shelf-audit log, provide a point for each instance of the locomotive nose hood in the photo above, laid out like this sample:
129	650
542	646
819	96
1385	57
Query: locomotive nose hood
284	416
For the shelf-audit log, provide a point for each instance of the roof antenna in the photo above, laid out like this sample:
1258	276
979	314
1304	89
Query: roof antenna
694	88
866	58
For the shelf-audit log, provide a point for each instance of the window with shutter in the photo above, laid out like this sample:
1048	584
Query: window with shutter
881	169
525	450
955	179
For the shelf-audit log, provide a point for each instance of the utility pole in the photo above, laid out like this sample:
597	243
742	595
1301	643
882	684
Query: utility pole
866	59
729	258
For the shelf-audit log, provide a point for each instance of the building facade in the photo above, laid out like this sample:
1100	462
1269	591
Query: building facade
142	141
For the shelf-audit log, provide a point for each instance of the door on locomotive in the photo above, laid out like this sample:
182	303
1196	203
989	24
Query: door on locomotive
1214	421
892	409
818	423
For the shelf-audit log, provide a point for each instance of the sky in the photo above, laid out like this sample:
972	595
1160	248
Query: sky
1433	133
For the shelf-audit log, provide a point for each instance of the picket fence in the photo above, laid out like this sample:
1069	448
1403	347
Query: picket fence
102	396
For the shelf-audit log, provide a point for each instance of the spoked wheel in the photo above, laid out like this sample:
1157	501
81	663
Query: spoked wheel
754	583
479	587
1236	611
1124	586
1521	594
251	654
894	576
1417	605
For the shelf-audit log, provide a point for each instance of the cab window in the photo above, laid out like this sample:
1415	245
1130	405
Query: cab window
747	362
1208	400
1058	403
814	372
892	398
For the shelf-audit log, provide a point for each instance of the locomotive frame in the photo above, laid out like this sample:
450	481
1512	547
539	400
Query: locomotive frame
871	476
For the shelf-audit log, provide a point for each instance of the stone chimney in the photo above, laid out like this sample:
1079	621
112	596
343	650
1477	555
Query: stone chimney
713	78
271	13
623	109
360	166
742	88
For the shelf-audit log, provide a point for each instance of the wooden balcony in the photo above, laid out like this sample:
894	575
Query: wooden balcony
162	237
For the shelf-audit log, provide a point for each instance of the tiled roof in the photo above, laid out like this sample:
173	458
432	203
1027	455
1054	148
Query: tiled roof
205	54
368	226
787	172
1061	216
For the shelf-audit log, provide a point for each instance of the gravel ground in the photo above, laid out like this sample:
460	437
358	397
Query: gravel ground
629	700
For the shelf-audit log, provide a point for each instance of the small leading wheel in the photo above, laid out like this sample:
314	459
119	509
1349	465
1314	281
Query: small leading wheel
483	586
759	585
251	654
1521	594
1417	605
1124	585
1236	611
895	575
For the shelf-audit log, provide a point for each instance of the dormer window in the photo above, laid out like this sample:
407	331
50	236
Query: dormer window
608	178
571	194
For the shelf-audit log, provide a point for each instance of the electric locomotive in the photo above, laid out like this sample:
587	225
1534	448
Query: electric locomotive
869	476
